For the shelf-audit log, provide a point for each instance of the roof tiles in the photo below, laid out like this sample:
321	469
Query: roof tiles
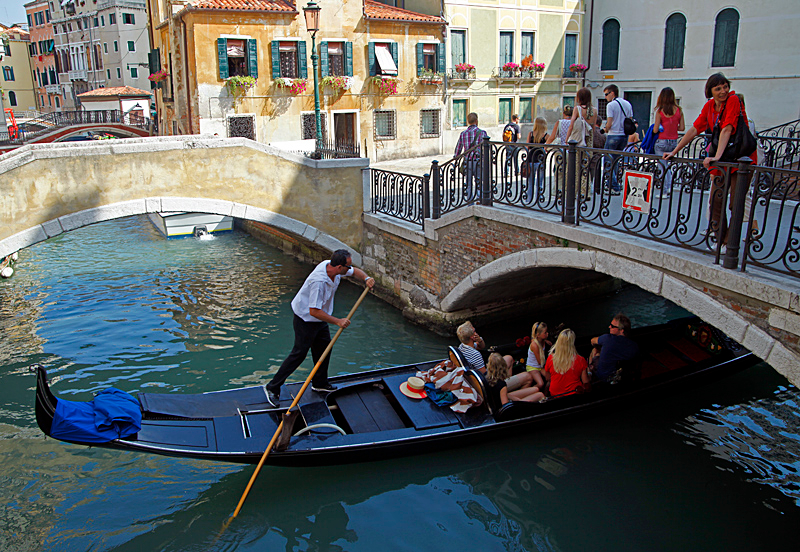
286	6
116	91
382	12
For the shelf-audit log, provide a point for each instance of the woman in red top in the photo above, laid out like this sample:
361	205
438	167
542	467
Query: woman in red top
565	369
724	108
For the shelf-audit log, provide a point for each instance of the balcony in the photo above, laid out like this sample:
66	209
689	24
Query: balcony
52	88
78	74
569	76
460	78
519	75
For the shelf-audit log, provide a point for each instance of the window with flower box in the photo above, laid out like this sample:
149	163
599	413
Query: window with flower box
289	59
336	58
237	57
382	58
430	58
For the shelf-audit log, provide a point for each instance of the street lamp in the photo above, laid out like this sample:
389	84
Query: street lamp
311	12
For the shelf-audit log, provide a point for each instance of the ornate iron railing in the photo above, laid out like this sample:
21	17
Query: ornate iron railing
786	130
688	206
401	196
52	121
336	150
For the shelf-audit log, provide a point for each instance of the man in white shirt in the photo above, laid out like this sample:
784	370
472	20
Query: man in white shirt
313	308
616	110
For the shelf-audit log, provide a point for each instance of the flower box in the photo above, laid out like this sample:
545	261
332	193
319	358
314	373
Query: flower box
297	86
337	83
385	85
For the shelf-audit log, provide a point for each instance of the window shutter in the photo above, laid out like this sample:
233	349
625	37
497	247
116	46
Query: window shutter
252	57
222	54
323	58
610	55
371	59
348	59
302	63
276	59
725	38
393	49
440	58
420	59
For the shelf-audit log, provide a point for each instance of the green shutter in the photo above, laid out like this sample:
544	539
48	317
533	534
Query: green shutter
440	58
725	38
420	58
152	61
222	54
674	40
348	59
252	57
323	58
276	59
371	59
609	60
302	62
393	49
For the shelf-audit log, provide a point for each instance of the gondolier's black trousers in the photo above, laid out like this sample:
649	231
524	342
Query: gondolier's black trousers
307	335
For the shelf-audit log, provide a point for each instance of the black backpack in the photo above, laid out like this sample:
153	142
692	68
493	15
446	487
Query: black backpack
629	125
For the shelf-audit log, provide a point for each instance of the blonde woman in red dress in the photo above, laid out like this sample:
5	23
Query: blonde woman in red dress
565	370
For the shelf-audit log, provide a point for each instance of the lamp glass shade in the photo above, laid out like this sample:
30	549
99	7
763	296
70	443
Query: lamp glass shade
311	11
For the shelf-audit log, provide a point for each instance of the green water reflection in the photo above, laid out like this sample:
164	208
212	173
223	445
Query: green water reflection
114	304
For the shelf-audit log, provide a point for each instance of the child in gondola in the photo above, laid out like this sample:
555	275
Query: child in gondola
498	394
536	353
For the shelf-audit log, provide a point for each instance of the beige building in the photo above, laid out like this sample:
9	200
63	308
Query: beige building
19	92
381	68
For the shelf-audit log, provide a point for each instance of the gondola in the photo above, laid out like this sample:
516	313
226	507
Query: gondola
368	417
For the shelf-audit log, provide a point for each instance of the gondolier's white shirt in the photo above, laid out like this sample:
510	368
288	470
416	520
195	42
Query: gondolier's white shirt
317	292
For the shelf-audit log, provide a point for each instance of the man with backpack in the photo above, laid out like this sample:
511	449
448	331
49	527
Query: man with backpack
470	137
511	134
619	120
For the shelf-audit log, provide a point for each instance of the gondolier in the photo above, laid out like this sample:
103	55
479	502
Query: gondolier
313	308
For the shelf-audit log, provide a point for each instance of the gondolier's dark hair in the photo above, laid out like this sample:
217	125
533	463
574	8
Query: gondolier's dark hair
339	257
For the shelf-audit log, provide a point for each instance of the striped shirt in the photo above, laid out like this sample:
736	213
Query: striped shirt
472	356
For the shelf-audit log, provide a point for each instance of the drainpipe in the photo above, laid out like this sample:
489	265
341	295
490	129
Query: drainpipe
589	56
186	78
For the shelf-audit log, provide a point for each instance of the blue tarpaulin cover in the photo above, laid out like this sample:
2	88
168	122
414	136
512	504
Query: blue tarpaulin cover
112	414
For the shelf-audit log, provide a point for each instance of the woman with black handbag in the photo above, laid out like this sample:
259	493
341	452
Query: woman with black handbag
731	140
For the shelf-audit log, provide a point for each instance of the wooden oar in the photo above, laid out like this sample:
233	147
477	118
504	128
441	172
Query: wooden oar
294	403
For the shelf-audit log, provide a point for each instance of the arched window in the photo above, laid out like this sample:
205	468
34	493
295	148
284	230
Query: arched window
674	41
726	31
12	98
609	58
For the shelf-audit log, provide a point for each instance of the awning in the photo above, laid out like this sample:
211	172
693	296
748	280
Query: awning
385	61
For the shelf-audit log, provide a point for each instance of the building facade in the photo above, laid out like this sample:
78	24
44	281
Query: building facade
42	55
489	40
380	73
643	47
19	92
99	44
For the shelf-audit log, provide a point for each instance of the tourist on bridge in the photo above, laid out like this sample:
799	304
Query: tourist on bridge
617	110
722	109
511	135
611	348
470	137
313	308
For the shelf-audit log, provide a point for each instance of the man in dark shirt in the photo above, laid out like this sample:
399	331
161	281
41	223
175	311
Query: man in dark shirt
613	347
511	131
470	137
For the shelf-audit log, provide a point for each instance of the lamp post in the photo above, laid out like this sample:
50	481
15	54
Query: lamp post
311	12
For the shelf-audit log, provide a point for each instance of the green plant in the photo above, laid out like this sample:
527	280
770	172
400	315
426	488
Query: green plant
337	82
238	86
429	75
385	85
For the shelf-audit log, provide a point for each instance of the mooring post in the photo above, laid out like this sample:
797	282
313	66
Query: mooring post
731	258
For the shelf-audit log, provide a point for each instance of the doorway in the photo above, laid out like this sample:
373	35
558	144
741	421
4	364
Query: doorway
344	129
641	108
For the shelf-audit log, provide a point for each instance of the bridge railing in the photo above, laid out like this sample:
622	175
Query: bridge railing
49	122
688	205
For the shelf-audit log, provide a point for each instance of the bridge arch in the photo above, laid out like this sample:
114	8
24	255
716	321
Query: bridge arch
86	217
672	287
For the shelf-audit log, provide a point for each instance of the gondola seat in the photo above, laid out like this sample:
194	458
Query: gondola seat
478	382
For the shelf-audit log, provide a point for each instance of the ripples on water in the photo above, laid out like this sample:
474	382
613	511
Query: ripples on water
115	304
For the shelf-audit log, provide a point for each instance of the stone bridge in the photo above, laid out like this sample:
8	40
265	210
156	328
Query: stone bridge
476	262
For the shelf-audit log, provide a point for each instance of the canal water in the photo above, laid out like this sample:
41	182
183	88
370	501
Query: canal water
712	468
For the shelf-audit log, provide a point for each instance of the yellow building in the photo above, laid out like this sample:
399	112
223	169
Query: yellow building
487	36
17	84
381	68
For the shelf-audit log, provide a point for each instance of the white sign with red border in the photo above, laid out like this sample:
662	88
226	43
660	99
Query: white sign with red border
637	191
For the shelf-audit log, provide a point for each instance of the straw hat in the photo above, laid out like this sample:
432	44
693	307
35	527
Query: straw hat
414	388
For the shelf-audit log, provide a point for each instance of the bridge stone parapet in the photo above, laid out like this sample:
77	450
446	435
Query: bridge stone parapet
47	189
486	261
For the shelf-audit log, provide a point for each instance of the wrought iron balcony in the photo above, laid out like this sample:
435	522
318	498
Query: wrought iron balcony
460	77
516	75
